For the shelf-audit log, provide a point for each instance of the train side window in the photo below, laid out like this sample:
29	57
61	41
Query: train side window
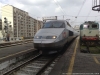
62	26
47	25
70	33
94	26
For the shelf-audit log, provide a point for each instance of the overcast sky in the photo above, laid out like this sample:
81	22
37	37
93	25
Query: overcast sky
45	8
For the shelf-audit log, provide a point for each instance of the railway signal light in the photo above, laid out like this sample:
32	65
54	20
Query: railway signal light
5	20
5	28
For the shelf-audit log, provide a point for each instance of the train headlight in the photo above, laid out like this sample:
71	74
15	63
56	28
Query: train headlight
51	37
37	37
54	37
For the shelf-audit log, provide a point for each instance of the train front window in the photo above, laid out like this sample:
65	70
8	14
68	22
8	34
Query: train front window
85	26
54	24
94	26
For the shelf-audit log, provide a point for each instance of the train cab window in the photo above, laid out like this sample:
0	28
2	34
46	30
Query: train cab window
94	26
59	25
86	26
54	24
47	25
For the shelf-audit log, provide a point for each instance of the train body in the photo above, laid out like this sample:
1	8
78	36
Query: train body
53	36
89	31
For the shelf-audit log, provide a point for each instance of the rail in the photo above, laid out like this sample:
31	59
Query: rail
21	65
8	44
36	65
41	63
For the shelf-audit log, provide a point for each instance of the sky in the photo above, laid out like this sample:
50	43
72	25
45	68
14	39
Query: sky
75	11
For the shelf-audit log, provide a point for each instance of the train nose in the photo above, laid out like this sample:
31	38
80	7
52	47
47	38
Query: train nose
47	41
37	41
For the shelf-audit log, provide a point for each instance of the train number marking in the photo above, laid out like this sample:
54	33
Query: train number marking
64	34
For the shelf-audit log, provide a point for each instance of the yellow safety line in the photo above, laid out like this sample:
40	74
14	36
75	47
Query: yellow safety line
15	54
95	59
72	60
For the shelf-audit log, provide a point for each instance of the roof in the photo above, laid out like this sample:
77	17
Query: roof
15	7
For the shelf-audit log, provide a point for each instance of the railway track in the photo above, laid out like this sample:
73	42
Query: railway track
14	44
37	64
89	46
97	45
33	66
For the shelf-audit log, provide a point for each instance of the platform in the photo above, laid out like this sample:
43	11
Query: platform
73	62
9	42
13	51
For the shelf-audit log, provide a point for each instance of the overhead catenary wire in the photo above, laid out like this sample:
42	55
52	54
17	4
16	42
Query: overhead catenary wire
80	10
63	9
88	15
58	4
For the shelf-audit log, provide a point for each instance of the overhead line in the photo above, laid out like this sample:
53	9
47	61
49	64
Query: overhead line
80	9
58	4
88	15
62	8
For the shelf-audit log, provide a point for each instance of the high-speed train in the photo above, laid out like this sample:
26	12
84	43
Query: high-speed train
53	36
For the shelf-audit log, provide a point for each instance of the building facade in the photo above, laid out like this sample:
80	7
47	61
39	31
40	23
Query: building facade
21	24
1	36
0	24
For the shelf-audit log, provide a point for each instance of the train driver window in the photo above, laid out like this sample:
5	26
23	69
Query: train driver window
47	25
54	24
62	26
94	26
86	26
58	25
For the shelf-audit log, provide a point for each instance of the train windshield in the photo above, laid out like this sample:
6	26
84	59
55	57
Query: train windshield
54	24
86	26
91	26
94	26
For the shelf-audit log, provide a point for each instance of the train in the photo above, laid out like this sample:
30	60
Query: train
52	37
89	31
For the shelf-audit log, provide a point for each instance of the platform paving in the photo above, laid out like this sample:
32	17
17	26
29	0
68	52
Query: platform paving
78	63
14	51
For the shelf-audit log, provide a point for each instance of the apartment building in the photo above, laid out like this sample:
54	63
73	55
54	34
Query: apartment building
1	36
22	25
0	24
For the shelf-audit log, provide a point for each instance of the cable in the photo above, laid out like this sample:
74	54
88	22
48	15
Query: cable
62	8
80	9
88	15
59	6
57	3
